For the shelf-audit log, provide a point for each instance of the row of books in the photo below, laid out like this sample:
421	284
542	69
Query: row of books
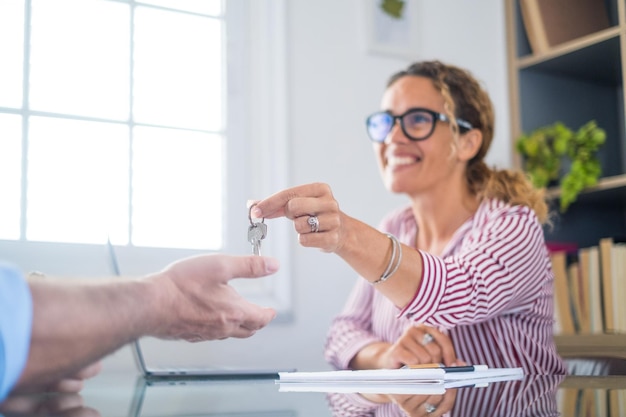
577	402
552	22
589	288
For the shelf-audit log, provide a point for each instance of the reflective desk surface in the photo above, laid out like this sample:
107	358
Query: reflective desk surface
131	395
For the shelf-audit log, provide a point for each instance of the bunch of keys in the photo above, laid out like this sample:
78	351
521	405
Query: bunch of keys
257	231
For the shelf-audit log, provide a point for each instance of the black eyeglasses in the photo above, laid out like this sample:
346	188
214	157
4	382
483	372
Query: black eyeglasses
417	124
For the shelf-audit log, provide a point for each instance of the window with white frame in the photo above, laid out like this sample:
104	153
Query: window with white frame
125	120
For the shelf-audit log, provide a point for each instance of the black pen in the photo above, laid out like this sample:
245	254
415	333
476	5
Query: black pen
464	368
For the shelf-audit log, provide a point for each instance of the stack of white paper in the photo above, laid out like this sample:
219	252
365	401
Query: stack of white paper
397	381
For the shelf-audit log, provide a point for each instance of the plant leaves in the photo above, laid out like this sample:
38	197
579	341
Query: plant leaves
393	8
546	149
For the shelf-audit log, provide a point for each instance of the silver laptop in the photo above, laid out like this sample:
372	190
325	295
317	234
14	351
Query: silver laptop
233	394
170	374
185	373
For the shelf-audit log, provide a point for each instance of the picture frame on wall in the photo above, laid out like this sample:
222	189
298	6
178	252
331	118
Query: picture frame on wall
389	35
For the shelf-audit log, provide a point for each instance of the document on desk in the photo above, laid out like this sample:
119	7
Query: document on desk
424	380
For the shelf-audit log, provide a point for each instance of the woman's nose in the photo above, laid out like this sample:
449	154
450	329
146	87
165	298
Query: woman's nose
396	134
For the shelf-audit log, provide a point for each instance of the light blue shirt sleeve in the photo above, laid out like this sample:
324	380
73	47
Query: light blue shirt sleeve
16	316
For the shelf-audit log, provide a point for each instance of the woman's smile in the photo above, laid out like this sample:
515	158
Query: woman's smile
398	161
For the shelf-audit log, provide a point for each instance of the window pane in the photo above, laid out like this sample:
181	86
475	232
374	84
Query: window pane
11	52
178	71
80	58
77	181
177	189
10	175
210	7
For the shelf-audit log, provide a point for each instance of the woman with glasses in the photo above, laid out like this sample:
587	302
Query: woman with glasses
466	257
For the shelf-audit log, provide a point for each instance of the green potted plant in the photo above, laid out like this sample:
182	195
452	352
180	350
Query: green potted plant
557	155
393	8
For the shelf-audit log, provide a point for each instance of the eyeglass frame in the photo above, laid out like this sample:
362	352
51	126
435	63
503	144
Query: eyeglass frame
464	125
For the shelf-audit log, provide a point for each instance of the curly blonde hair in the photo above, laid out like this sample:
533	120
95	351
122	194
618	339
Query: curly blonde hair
466	99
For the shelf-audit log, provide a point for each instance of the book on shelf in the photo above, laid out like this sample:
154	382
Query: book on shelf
574	296
570	401
617	402
564	323
599	399
613	271
618	278
594	290
552	22
589	284
606	245
570	248
587	402
582	284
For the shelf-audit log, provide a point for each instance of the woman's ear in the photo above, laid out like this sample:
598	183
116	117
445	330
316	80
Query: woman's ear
469	144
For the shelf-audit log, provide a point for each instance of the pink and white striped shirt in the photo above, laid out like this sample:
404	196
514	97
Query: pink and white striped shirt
535	396
491	291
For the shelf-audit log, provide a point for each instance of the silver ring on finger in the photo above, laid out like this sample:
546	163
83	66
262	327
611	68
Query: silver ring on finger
314	222
429	407
427	338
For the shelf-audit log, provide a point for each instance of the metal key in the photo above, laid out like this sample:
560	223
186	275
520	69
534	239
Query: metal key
256	233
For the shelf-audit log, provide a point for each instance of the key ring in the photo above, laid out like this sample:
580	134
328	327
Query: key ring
250	216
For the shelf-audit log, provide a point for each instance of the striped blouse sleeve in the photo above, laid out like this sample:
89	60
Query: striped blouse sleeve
499	267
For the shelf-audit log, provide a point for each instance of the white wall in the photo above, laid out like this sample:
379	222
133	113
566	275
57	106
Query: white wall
333	83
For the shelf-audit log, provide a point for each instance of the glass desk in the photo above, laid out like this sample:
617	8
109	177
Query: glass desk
130	395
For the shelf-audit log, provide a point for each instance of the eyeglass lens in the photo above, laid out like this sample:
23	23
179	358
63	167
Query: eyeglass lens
416	125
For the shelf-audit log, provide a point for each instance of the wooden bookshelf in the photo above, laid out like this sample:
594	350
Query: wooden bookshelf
573	82
550	24
591	346
570	47
594	382
615	185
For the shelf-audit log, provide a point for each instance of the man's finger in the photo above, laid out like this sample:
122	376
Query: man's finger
250	266
67	386
258	317
88	371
